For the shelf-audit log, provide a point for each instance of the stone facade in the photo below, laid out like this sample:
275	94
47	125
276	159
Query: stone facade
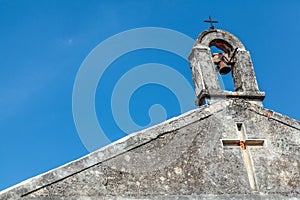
184	158
230	148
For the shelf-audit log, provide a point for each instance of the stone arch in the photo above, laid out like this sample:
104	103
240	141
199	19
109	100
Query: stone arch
208	36
204	76
222	44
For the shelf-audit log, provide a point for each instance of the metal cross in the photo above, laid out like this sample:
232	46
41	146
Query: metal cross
244	143
211	22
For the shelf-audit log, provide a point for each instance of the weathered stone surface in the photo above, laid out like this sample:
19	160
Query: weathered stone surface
243	73
232	148
206	37
184	158
204	75
203	71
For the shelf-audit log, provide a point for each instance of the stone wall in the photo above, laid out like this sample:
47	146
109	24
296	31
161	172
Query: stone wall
190	161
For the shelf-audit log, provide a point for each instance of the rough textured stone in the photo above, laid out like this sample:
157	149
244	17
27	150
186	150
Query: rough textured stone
204	75
187	157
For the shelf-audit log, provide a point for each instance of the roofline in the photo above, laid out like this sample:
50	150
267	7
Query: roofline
136	139
112	150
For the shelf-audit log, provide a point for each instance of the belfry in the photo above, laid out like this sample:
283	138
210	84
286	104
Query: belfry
203	64
230	147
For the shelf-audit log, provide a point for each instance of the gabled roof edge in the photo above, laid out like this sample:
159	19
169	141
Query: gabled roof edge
271	115
116	148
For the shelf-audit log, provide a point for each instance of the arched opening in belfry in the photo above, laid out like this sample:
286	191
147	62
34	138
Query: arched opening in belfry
222	52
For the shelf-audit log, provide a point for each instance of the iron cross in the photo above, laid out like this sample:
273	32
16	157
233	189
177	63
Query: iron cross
243	143
211	22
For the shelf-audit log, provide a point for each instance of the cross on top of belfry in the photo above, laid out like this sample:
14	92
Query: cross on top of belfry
211	22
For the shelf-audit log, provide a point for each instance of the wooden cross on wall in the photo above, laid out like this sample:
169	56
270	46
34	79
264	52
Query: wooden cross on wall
243	143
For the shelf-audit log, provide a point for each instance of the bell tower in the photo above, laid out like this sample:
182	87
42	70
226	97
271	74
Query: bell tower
235	59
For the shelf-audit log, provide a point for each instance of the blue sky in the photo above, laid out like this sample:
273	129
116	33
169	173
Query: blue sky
43	44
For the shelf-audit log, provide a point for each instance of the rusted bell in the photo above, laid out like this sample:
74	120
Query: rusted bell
224	68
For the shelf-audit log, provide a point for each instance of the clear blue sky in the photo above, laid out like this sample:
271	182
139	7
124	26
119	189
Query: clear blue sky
43	43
